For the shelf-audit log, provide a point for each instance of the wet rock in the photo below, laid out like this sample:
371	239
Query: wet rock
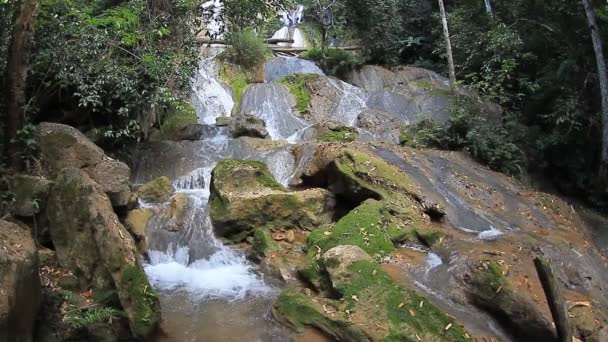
158	190
245	196
190	132
222	121
273	103
63	146
249	126
280	67
30	194
20	291
338	261
137	221
383	125
176	215
92	244
371	77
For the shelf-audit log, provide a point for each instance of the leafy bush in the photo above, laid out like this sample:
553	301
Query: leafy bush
103	64
334	62
467	129
246	49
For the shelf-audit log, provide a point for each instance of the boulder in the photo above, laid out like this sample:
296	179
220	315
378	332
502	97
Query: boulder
63	146
338	260
245	196
329	131
249	126
137	220
158	190
92	244
190	132
30	194
177	213
383	125
20	291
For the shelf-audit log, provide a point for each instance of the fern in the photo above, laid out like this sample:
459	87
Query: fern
83	318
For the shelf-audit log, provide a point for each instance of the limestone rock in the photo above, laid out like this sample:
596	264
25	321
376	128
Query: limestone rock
190	132
337	261
245	196
20	292
248	125
158	190
137	220
30	194
175	216
63	146
94	246
383	125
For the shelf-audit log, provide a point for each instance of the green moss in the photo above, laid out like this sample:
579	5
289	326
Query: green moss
368	226
369	176
238	78
157	190
492	289
424	84
222	121
263	244
299	311
298	86
145	308
429	237
263	175
178	116
339	134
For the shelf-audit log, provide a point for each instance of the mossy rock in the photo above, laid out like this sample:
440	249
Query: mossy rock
223	121
299	311
371	301
158	190
177	116
263	244
137	221
245	196
145	308
338	134
298	87
237	78
30	194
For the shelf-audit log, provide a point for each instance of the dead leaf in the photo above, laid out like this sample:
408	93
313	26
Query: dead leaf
355	298
412	312
447	327
401	305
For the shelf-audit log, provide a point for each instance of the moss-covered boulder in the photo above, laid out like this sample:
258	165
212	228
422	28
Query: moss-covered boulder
245	196
63	146
372	306
20	291
176	117
137	221
337	133
92	244
158	190
30	194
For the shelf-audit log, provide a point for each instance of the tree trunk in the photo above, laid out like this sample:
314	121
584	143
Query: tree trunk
555	299
603	78
17	66
489	8
448	44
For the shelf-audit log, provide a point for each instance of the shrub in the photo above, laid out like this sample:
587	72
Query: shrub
334	62
246	49
468	130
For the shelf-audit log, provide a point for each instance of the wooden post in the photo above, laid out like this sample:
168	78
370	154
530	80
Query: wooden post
554	298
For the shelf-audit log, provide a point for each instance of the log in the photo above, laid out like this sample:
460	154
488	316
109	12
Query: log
205	40
286	49
555	299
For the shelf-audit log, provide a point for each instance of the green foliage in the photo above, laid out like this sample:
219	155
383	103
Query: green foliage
334	62
469	130
79	312
298	87
246	49
111	64
178	115
238	78
242	14
28	147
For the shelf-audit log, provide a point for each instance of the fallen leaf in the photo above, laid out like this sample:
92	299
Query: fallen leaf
421	303
412	312
354	297
447	327
401	305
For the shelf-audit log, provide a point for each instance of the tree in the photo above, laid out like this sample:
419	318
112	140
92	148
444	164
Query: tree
448	44
17	67
603	78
